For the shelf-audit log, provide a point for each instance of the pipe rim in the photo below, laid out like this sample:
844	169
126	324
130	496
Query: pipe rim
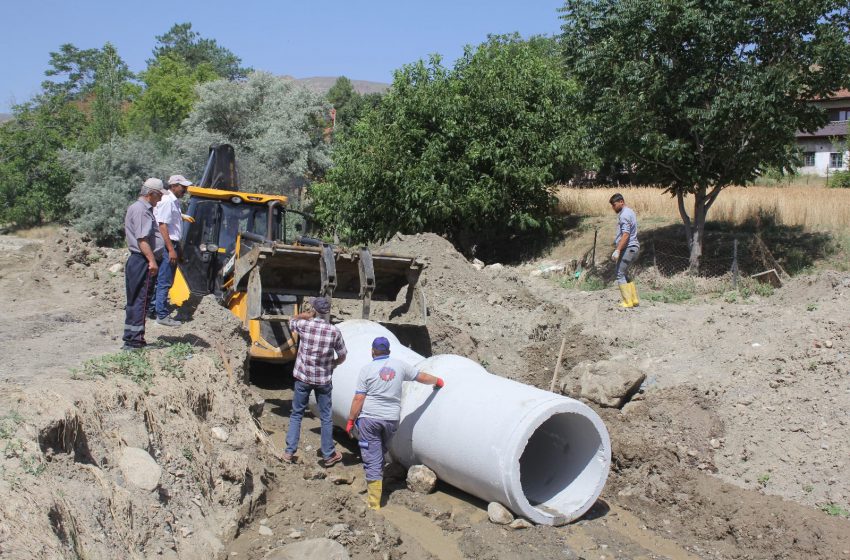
520	440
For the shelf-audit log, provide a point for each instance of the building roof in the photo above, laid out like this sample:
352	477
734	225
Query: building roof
835	128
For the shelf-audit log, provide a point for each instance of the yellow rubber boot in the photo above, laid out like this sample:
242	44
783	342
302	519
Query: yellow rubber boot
626	294
633	292
374	489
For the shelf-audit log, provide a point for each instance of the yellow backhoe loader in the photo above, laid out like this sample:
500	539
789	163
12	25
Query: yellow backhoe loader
257	257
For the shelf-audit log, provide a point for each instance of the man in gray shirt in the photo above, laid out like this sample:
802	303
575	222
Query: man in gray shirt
376	409
145	244
626	249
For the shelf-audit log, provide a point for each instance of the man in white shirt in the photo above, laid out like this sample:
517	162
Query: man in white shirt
170	220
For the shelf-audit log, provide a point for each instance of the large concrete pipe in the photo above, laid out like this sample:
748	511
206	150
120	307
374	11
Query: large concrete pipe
542	455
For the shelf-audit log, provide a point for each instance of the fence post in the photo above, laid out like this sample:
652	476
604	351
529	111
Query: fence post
654	255
735	263
593	252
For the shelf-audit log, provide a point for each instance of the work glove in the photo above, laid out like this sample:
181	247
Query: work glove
439	384
615	256
349	426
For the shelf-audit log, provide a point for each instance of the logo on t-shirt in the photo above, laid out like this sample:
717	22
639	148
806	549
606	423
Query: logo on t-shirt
387	373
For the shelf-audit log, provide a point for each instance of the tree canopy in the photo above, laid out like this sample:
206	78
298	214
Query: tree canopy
698	96
469	152
195	50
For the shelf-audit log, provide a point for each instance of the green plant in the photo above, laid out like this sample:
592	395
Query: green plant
834	509
763	479
135	365
172	360
32	464
763	289
468	151
9	424
811	307
812	366
188	454
840	180
673	293
807	488
730	297
586	283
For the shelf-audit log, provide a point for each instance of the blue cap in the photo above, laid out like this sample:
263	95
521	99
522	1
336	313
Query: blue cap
321	305
381	344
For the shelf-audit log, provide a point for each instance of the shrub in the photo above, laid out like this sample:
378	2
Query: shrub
840	180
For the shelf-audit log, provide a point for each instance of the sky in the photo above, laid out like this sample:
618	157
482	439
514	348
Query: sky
361	39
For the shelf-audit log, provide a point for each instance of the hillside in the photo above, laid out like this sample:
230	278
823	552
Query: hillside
5	117
321	84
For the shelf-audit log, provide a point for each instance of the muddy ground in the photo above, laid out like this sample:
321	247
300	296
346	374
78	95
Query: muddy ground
740	436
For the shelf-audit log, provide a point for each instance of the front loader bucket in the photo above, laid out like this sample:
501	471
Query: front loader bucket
323	271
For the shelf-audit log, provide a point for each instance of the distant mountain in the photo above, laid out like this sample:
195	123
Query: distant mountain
321	84
5	117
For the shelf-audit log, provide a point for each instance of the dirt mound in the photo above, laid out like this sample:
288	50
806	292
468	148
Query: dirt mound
662	459
67	483
486	315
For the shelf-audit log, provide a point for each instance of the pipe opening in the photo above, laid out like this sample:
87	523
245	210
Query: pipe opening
559	468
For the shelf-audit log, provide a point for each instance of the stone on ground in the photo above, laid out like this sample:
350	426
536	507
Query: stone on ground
266	531
499	514
139	468
609	383
312	549
520	523
421	479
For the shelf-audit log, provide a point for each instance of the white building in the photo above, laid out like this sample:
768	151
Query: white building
825	150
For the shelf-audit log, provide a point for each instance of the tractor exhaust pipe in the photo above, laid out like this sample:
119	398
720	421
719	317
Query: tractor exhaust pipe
544	456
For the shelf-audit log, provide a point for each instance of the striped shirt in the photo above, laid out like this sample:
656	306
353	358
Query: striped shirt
319	340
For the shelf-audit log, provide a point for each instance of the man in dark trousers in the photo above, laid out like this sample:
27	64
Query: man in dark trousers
376	409
145	244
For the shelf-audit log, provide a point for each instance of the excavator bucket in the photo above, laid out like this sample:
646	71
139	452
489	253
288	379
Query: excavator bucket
324	270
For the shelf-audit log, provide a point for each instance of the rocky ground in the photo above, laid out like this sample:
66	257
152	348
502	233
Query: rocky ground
732	449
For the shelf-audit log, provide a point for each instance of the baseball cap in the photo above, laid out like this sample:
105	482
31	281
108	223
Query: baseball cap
152	185
179	180
381	344
321	305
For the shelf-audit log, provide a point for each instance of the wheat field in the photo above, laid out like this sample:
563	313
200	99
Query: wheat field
814	208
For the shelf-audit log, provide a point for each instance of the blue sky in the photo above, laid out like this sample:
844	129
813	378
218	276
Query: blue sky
361	39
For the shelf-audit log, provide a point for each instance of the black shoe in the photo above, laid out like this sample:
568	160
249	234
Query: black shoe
152	314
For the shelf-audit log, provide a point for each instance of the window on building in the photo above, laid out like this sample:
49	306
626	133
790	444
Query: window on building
836	160
808	159
838	115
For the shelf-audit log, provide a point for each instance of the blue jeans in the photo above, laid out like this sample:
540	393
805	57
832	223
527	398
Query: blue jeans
164	281
299	405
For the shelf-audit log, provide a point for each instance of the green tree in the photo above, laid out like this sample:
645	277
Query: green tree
703	95
275	126
72	72
108	178
169	94
188	45
350	105
33	182
469	152
111	91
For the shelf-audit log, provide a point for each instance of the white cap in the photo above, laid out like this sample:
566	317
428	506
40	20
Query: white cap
179	180
152	185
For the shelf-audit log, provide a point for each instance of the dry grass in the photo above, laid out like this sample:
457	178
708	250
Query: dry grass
814	208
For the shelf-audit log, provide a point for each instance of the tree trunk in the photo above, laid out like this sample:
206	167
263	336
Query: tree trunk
697	232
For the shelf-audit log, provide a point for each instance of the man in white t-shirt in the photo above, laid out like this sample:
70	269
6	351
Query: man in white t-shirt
170	220
376	409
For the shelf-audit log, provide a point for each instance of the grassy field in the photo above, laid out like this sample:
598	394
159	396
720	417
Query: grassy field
813	207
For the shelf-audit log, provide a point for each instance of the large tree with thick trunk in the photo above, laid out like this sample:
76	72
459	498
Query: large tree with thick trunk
698	96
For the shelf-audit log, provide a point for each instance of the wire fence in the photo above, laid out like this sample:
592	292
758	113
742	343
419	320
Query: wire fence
738	255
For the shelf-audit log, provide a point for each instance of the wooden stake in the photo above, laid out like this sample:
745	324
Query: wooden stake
558	364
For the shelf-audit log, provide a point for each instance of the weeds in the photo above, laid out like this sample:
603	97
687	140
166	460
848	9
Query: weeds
9	424
585	283
188	454
812	307
134	364
835	510
763	479
808	488
678	292
173	359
